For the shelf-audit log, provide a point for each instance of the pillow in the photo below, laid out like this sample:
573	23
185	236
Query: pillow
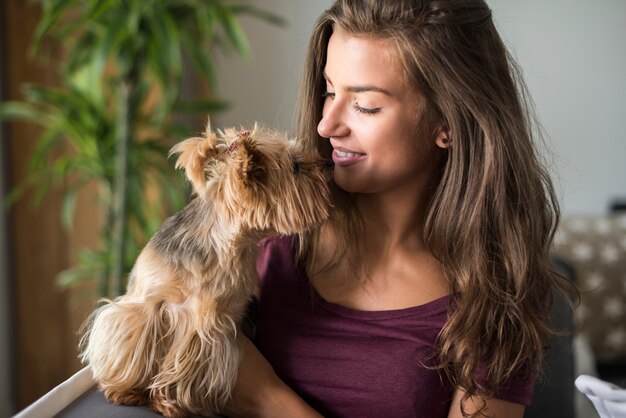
595	246
609	399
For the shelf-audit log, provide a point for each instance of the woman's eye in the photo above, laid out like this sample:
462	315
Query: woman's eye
328	94
366	110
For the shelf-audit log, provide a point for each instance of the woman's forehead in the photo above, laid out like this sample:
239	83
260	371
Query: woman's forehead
364	61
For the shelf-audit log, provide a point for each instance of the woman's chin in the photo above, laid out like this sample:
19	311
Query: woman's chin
348	185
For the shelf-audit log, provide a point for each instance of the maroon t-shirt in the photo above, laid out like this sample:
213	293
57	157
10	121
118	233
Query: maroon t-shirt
349	363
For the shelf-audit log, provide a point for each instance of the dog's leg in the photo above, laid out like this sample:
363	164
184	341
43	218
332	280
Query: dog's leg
164	405
124	345
133	397
198	373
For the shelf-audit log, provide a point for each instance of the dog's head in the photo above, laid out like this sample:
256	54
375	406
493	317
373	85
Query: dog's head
261	178
205	159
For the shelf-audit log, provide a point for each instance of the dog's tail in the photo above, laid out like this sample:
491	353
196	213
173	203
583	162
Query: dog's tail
201	367
123	343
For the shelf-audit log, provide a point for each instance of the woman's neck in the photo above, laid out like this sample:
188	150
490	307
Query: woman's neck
391	222
398	270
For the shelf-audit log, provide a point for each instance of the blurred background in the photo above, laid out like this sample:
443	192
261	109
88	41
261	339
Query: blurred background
574	60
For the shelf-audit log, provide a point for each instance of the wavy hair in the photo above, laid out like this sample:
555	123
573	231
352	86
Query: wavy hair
493	213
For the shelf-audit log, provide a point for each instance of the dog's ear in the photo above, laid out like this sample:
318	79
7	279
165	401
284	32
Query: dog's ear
250	160
194	155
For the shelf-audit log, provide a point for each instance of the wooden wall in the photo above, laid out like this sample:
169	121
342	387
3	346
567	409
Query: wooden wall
45	318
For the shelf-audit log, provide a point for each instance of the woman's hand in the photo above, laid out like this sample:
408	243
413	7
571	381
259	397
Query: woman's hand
259	392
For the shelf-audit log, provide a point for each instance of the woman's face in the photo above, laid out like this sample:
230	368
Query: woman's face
371	117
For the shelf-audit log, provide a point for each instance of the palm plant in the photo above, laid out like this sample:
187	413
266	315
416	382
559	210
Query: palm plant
117	111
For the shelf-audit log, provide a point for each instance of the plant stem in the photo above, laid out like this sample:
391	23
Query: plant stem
107	238
121	190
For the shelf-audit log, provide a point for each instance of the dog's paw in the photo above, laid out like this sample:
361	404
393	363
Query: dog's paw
168	409
131	397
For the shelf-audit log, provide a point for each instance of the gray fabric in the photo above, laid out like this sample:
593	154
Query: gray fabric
93	405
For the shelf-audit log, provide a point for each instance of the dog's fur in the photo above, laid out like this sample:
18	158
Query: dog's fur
170	342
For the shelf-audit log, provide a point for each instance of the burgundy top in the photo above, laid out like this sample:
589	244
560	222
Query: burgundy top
349	363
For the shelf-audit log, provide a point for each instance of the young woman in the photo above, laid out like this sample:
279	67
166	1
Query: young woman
428	292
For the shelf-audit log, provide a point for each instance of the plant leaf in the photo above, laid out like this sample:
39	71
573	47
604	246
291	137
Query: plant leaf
201	60
71	277
67	212
98	7
51	15
14	110
15	194
234	31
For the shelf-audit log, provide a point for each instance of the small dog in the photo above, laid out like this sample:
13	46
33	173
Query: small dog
170	342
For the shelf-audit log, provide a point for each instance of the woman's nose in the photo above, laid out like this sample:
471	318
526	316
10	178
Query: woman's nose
332	124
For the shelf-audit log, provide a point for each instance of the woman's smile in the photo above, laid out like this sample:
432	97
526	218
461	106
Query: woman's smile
344	157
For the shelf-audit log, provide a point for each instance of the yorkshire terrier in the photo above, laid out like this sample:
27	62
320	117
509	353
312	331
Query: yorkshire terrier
170	341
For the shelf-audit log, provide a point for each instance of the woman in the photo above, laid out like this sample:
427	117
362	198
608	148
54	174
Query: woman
428	292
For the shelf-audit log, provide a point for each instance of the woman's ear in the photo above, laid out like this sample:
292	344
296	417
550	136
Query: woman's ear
443	140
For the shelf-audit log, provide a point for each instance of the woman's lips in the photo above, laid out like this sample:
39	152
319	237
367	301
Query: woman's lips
344	158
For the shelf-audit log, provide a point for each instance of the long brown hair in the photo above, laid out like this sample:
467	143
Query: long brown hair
494	212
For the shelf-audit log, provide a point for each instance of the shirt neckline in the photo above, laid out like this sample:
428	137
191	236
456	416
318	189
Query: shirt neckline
431	308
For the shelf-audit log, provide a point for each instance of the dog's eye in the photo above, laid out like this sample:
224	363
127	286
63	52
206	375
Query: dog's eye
296	166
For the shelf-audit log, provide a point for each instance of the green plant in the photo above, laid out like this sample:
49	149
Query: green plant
114	116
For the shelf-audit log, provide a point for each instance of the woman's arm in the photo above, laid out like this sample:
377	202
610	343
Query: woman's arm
260	393
496	408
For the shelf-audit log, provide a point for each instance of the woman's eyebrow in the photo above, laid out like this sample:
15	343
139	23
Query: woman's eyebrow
367	87
361	88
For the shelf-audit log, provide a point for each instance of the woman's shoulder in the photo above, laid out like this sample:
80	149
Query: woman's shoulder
282	244
276	255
